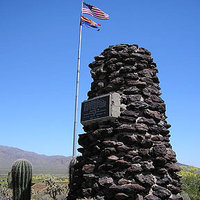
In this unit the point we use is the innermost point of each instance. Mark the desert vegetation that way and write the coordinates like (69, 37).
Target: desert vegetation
(48, 187)
(44, 187)
(190, 182)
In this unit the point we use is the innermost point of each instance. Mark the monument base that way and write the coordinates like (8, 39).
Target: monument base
(129, 157)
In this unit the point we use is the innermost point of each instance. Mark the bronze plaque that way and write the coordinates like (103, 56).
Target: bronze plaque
(95, 109)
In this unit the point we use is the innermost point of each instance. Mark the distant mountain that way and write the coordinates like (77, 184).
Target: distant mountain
(179, 164)
(42, 164)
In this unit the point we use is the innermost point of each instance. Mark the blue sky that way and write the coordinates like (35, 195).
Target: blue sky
(38, 59)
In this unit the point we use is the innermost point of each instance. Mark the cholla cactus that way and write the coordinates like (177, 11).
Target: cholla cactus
(21, 179)
(55, 190)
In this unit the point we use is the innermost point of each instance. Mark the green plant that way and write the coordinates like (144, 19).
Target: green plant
(21, 179)
(191, 182)
(55, 190)
(4, 192)
(9, 180)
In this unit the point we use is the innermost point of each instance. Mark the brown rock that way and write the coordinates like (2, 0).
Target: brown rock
(140, 56)
(130, 61)
(109, 143)
(101, 57)
(105, 167)
(126, 128)
(170, 155)
(127, 69)
(133, 98)
(146, 165)
(139, 197)
(87, 192)
(88, 168)
(123, 164)
(162, 181)
(105, 181)
(138, 105)
(145, 120)
(151, 197)
(144, 152)
(147, 73)
(123, 181)
(121, 196)
(113, 158)
(118, 80)
(130, 113)
(159, 161)
(131, 90)
(154, 114)
(134, 168)
(132, 76)
(123, 148)
(138, 84)
(172, 167)
(147, 180)
(174, 197)
(140, 127)
(159, 150)
(127, 119)
(128, 188)
(129, 139)
(161, 192)
(174, 189)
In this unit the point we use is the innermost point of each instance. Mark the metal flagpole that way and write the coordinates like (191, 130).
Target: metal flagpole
(77, 88)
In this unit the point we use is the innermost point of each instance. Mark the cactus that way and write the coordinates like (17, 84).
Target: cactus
(21, 179)
(9, 180)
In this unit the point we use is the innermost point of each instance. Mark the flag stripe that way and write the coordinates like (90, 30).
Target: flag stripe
(89, 22)
(86, 11)
(95, 12)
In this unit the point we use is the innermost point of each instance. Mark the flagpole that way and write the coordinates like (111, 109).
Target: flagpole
(77, 88)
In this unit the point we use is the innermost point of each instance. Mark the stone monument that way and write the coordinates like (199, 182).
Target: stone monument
(126, 151)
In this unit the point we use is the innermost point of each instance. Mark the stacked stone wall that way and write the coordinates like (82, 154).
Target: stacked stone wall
(130, 157)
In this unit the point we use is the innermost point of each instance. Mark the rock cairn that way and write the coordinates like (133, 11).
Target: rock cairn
(131, 157)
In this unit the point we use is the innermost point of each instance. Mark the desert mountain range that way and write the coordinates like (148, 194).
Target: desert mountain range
(42, 164)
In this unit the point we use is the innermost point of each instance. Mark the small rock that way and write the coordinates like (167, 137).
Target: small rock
(161, 192)
(109, 143)
(147, 180)
(134, 168)
(121, 196)
(88, 168)
(113, 158)
(172, 167)
(154, 114)
(123, 181)
(122, 163)
(139, 197)
(151, 197)
(159, 150)
(106, 181)
(128, 188)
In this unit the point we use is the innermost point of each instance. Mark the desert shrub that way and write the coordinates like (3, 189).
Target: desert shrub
(55, 190)
(40, 178)
(191, 182)
(5, 192)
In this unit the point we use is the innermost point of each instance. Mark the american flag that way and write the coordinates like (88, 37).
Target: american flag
(93, 11)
